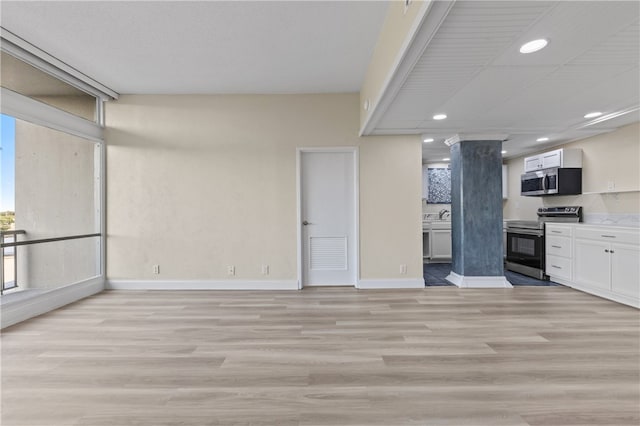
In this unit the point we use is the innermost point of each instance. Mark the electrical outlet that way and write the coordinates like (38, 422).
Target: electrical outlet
(403, 269)
(231, 270)
(265, 269)
(611, 186)
(156, 269)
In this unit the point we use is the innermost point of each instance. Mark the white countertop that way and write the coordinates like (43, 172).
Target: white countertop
(596, 226)
(428, 225)
(624, 220)
(435, 217)
(605, 225)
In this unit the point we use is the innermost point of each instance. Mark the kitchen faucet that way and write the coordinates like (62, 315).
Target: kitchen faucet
(442, 213)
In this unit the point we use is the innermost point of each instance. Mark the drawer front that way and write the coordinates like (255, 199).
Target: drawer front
(558, 246)
(561, 231)
(609, 234)
(559, 267)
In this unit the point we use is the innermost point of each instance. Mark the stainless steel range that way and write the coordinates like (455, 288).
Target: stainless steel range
(525, 240)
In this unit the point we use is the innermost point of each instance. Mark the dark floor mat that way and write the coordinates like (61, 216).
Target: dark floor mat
(435, 274)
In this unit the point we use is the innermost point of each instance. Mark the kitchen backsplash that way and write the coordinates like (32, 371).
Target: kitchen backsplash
(617, 205)
(439, 186)
(620, 219)
(433, 208)
(621, 209)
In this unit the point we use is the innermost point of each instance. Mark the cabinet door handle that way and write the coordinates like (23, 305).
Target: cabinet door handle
(556, 232)
(557, 267)
(611, 251)
(606, 251)
(557, 247)
(608, 236)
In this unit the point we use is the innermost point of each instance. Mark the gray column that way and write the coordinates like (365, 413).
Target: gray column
(476, 212)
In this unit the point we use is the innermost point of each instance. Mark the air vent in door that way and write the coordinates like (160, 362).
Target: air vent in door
(328, 253)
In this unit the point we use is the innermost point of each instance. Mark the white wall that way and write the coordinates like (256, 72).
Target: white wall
(608, 157)
(196, 183)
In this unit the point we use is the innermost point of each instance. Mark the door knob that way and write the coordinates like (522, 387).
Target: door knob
(305, 223)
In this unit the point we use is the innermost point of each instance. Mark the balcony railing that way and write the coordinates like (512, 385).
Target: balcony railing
(9, 254)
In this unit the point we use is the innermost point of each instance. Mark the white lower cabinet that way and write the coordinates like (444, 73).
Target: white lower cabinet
(607, 263)
(593, 266)
(600, 260)
(440, 244)
(436, 241)
(625, 271)
(559, 268)
(425, 245)
(559, 253)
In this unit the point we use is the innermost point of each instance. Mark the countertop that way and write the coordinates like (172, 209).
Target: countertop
(603, 225)
(435, 221)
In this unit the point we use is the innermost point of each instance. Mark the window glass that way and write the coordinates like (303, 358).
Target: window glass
(55, 194)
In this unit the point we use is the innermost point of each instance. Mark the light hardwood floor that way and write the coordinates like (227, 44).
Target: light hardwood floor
(326, 356)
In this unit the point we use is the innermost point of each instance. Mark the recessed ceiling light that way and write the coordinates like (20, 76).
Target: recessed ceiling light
(446, 159)
(440, 116)
(533, 46)
(427, 140)
(542, 139)
(593, 114)
(504, 152)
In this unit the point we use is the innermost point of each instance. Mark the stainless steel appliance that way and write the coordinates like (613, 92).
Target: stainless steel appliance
(555, 181)
(525, 240)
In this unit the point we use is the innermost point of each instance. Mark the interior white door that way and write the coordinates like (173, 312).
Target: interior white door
(327, 206)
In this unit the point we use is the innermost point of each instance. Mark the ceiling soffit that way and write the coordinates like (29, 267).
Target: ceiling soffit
(470, 68)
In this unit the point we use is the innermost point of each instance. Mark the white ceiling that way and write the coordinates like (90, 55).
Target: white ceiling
(470, 69)
(178, 47)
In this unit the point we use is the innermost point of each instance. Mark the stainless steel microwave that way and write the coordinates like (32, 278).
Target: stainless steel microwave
(556, 181)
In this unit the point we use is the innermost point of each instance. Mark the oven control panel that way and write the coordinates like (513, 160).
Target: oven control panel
(573, 213)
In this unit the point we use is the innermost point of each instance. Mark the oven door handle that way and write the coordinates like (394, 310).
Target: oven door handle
(535, 232)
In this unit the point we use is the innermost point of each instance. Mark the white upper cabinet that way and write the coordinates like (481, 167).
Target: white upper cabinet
(552, 159)
(562, 157)
(532, 163)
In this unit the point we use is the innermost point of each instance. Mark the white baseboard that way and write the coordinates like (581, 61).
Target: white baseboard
(391, 283)
(202, 285)
(607, 294)
(41, 303)
(465, 281)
